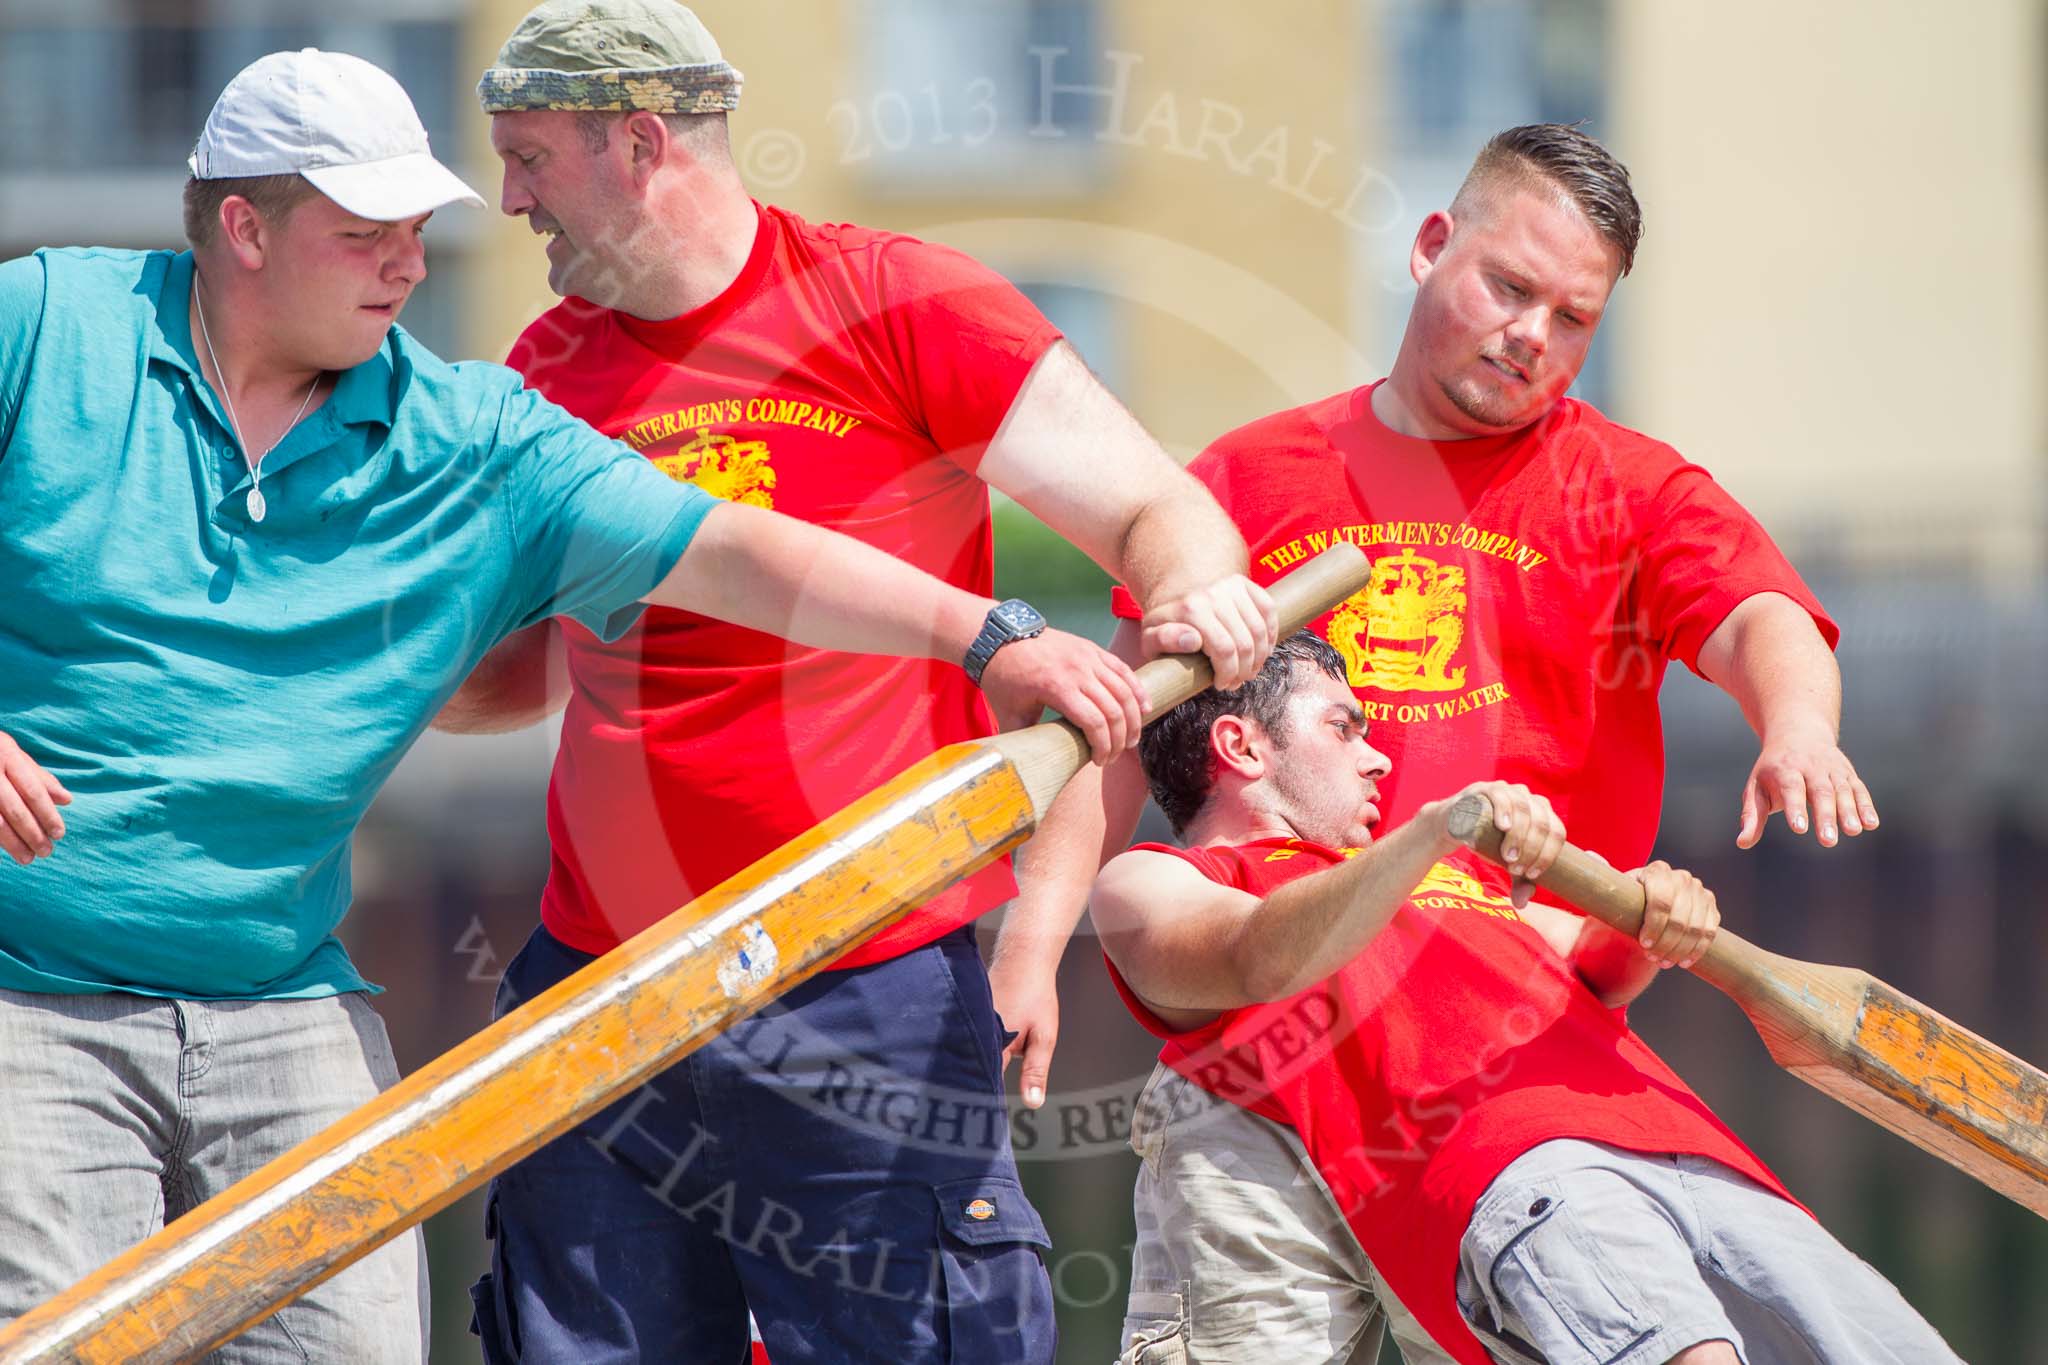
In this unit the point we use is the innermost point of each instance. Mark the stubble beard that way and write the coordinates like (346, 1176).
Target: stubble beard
(1469, 397)
(610, 271)
(1308, 808)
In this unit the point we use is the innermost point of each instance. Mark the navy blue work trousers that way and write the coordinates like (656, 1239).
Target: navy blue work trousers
(838, 1164)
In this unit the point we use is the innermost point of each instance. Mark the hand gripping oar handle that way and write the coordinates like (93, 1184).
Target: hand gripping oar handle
(1299, 598)
(1582, 880)
(1576, 877)
(1047, 755)
(1876, 1049)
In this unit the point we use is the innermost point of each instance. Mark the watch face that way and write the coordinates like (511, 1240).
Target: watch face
(1019, 616)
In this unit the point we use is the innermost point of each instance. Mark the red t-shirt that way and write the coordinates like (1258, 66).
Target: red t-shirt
(1527, 592)
(1458, 1040)
(848, 377)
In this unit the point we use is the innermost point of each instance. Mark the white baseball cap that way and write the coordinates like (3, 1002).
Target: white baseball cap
(342, 123)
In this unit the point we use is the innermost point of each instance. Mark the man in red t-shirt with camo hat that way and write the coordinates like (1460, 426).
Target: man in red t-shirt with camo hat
(1530, 1181)
(840, 1165)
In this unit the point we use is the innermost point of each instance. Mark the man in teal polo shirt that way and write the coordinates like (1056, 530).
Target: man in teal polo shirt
(251, 538)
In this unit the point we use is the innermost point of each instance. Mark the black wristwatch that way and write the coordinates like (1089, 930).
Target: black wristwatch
(1007, 621)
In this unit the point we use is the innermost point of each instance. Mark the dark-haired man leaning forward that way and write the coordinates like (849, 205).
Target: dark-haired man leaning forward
(1537, 567)
(1528, 1177)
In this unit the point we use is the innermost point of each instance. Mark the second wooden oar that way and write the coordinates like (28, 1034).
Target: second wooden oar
(1841, 1030)
(569, 1052)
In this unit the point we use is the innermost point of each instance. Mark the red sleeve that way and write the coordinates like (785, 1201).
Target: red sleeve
(966, 338)
(1216, 871)
(1140, 1011)
(1702, 555)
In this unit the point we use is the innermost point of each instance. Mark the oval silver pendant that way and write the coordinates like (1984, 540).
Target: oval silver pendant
(257, 506)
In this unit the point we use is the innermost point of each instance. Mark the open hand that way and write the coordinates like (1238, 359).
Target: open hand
(1810, 779)
(1028, 1003)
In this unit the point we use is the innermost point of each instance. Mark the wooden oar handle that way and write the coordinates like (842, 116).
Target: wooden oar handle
(1046, 755)
(1577, 877)
(1300, 597)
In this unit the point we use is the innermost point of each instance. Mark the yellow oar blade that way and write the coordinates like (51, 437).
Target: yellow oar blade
(1841, 1030)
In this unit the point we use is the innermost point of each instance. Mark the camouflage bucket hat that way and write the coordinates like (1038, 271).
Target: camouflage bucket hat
(610, 55)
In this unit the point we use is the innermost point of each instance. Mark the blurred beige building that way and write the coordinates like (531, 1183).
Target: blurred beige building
(1839, 306)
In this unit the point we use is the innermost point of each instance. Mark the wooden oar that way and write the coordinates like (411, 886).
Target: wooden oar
(1841, 1030)
(567, 1053)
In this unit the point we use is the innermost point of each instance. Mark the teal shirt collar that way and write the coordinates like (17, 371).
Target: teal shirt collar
(170, 340)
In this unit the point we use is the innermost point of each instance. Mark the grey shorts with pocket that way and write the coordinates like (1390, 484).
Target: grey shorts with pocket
(1585, 1254)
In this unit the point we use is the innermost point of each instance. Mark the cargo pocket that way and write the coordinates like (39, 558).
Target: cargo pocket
(1483, 1318)
(1155, 1330)
(998, 1304)
(491, 1319)
(1541, 1267)
(1153, 1113)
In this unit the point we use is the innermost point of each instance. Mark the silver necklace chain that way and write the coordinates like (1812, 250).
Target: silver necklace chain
(257, 504)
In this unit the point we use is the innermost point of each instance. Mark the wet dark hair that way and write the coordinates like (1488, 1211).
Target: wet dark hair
(1572, 161)
(1179, 769)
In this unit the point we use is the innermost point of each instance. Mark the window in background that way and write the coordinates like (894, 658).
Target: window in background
(1088, 319)
(103, 99)
(1456, 72)
(957, 96)
(108, 85)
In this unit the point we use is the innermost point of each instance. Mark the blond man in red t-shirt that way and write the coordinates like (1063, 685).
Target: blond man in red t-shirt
(841, 1166)
(1537, 566)
(1522, 1174)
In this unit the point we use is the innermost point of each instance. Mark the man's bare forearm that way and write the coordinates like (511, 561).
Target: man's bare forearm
(523, 680)
(1091, 822)
(1287, 944)
(1073, 455)
(1612, 965)
(1770, 657)
(1076, 458)
(1307, 929)
(787, 577)
(1179, 540)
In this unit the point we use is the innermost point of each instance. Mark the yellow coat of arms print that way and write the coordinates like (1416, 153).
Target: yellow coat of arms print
(1400, 634)
(725, 467)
